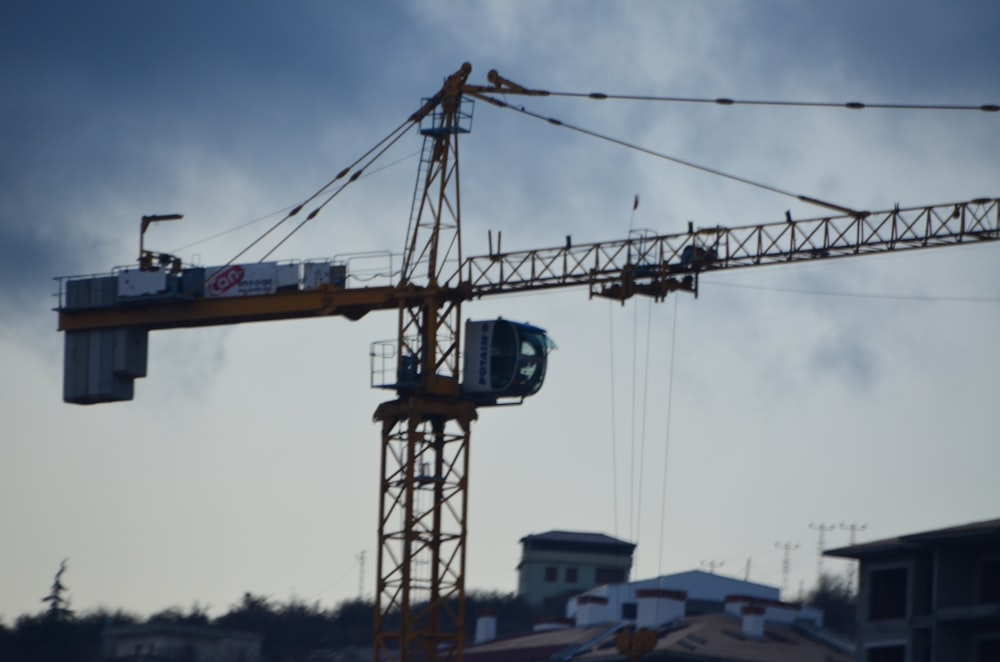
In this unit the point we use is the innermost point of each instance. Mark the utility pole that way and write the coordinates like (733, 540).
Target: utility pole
(361, 575)
(786, 563)
(822, 529)
(853, 528)
(712, 564)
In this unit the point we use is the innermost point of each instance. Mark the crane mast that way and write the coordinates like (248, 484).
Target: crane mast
(420, 598)
(419, 608)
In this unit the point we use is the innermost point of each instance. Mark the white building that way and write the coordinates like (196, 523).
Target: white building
(704, 592)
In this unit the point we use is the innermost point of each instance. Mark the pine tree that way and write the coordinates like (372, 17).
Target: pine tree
(58, 604)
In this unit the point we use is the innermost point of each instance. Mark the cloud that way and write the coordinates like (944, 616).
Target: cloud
(247, 437)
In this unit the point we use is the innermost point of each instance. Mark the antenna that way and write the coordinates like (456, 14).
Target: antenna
(786, 563)
(822, 529)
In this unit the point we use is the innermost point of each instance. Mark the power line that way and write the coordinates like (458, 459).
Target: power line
(853, 528)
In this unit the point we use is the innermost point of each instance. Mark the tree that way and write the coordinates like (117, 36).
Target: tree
(58, 604)
(836, 597)
(197, 615)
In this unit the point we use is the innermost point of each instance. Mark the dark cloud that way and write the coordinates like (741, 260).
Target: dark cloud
(903, 52)
(229, 110)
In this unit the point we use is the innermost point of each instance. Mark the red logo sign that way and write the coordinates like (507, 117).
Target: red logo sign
(225, 280)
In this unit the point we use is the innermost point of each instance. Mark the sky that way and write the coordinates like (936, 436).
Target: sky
(708, 430)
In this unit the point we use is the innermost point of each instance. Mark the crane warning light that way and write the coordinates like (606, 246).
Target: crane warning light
(504, 359)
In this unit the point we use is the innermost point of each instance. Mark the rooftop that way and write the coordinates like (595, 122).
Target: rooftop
(710, 637)
(576, 537)
(973, 532)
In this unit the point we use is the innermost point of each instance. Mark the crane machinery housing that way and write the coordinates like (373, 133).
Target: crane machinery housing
(438, 379)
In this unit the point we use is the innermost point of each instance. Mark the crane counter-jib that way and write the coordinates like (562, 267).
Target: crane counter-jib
(162, 312)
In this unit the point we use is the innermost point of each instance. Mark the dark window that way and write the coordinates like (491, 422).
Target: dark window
(571, 575)
(628, 611)
(988, 650)
(991, 581)
(921, 645)
(609, 575)
(923, 591)
(887, 594)
(886, 654)
(503, 357)
(551, 574)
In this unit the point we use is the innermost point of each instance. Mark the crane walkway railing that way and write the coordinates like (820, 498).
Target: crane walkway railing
(710, 249)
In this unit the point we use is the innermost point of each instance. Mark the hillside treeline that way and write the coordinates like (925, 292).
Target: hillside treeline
(291, 631)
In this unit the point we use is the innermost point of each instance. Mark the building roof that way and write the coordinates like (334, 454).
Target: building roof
(540, 645)
(577, 538)
(700, 586)
(973, 532)
(707, 638)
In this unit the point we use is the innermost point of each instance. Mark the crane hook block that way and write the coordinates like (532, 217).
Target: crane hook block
(504, 359)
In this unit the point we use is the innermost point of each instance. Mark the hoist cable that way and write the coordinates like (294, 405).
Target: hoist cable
(725, 101)
(631, 461)
(666, 441)
(643, 416)
(614, 437)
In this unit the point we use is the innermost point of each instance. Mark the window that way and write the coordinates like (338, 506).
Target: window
(503, 358)
(571, 575)
(990, 581)
(629, 610)
(886, 654)
(887, 594)
(551, 574)
(609, 576)
(987, 650)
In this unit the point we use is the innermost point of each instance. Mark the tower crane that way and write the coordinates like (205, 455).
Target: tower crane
(439, 382)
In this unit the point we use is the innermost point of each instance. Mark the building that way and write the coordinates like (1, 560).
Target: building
(746, 629)
(931, 596)
(706, 592)
(153, 642)
(560, 563)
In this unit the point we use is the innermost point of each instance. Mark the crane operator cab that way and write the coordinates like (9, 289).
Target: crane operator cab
(504, 359)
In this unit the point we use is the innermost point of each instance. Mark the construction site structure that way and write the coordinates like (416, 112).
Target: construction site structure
(441, 366)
